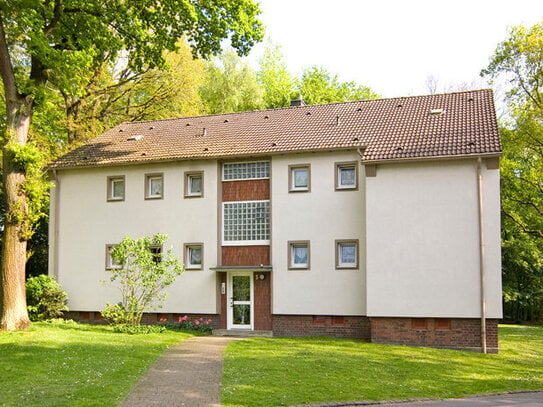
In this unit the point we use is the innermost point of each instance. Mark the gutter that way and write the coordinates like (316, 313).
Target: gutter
(55, 229)
(481, 254)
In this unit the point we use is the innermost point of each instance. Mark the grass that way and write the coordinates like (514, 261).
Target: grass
(294, 371)
(75, 364)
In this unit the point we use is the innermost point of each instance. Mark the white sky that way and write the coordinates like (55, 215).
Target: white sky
(392, 46)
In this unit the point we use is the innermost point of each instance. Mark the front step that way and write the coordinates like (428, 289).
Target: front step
(242, 333)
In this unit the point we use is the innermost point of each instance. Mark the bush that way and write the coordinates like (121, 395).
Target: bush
(139, 329)
(200, 325)
(45, 298)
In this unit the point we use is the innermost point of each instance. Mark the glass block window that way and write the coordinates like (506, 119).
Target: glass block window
(246, 221)
(241, 171)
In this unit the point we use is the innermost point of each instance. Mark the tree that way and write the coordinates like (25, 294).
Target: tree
(142, 274)
(519, 60)
(318, 86)
(62, 42)
(275, 79)
(230, 85)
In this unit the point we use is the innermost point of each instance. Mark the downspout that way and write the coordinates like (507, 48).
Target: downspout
(481, 255)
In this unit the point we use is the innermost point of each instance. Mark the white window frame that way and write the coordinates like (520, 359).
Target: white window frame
(344, 165)
(339, 263)
(188, 191)
(186, 250)
(292, 179)
(110, 264)
(244, 242)
(148, 180)
(224, 165)
(291, 246)
(111, 180)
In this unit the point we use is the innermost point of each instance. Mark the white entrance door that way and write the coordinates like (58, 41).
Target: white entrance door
(240, 300)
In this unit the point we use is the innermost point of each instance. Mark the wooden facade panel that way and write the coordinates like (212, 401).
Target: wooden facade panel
(245, 255)
(247, 190)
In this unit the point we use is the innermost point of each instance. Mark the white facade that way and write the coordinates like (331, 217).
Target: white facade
(416, 225)
(423, 240)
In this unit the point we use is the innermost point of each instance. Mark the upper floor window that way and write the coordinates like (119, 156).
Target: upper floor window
(346, 175)
(194, 184)
(246, 222)
(245, 170)
(156, 252)
(115, 188)
(299, 178)
(154, 186)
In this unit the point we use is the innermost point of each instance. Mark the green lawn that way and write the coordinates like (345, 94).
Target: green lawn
(288, 371)
(75, 364)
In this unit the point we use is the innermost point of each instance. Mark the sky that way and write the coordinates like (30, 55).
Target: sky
(393, 46)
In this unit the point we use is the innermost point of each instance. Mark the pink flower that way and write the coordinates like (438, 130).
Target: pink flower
(182, 319)
(208, 322)
(163, 319)
(197, 322)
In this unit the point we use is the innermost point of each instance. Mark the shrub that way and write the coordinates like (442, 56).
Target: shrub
(199, 324)
(45, 298)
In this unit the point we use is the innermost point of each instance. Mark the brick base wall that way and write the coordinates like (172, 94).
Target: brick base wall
(148, 317)
(451, 333)
(353, 327)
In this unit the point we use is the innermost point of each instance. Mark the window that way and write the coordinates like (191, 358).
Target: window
(241, 171)
(115, 188)
(246, 222)
(299, 178)
(347, 254)
(346, 175)
(156, 251)
(193, 256)
(298, 255)
(110, 263)
(154, 186)
(194, 184)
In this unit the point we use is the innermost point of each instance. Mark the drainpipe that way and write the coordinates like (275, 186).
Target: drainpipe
(55, 230)
(481, 255)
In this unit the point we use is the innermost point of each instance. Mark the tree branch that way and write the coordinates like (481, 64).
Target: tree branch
(6, 68)
(57, 13)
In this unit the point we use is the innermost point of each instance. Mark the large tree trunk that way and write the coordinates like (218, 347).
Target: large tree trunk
(14, 314)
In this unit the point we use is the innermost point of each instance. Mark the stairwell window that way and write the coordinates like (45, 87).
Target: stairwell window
(246, 170)
(346, 176)
(246, 223)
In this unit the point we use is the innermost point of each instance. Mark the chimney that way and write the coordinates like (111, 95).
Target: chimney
(297, 102)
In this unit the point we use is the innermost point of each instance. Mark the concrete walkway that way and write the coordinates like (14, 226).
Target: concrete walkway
(188, 374)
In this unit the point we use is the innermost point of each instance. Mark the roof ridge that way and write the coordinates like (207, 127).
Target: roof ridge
(307, 106)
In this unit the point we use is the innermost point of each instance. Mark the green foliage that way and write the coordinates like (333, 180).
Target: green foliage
(142, 277)
(318, 86)
(184, 323)
(230, 85)
(139, 329)
(308, 371)
(519, 59)
(45, 298)
(275, 78)
(76, 365)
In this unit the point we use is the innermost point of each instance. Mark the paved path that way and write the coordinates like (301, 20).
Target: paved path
(188, 374)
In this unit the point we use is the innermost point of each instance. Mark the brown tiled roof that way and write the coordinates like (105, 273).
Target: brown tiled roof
(416, 127)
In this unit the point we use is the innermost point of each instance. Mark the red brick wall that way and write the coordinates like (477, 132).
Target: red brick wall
(222, 322)
(247, 190)
(353, 327)
(245, 255)
(454, 333)
(262, 302)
